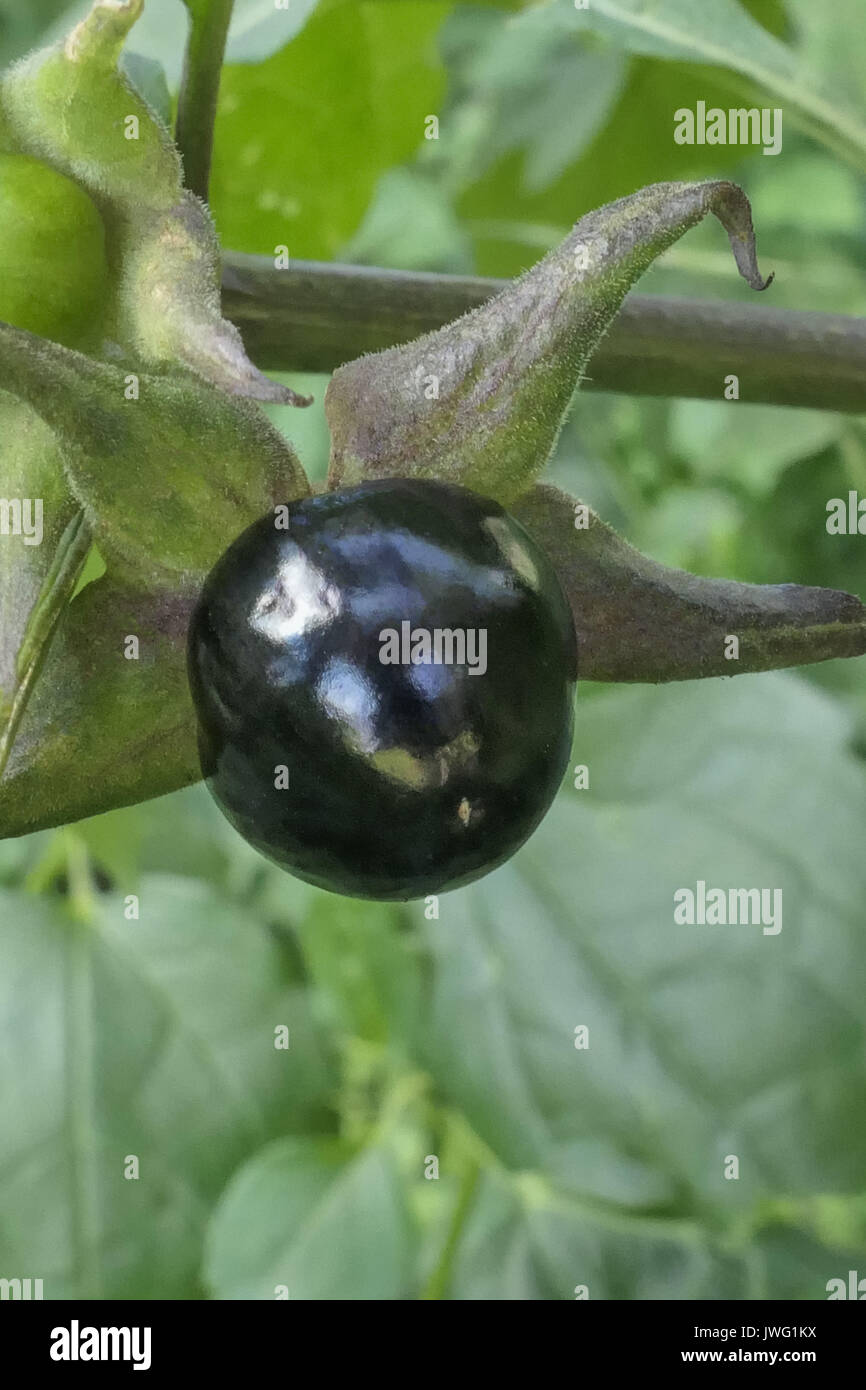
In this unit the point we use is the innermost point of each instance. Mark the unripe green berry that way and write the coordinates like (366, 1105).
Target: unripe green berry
(53, 267)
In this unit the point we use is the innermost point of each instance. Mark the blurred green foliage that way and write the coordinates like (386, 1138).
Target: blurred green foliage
(414, 1037)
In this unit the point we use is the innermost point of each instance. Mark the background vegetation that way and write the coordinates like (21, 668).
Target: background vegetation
(454, 1037)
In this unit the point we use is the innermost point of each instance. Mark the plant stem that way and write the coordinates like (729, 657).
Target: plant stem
(440, 1280)
(197, 102)
(314, 316)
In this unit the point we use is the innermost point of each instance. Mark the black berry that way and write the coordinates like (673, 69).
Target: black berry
(384, 680)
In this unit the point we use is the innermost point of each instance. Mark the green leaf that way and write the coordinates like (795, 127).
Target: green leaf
(410, 226)
(833, 44)
(306, 1216)
(637, 620)
(352, 89)
(481, 401)
(529, 1243)
(531, 84)
(258, 29)
(724, 34)
(130, 1038)
(511, 225)
(21, 26)
(749, 444)
(703, 1041)
(534, 1247)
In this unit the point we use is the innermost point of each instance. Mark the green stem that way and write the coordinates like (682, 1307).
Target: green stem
(197, 103)
(440, 1280)
(314, 316)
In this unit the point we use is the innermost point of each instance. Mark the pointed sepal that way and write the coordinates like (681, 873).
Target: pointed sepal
(167, 469)
(111, 721)
(637, 620)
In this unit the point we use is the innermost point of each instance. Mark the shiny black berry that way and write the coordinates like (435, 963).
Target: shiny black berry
(384, 680)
